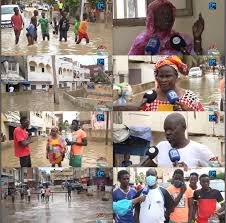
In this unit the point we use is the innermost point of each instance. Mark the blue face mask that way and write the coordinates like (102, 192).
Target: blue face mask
(151, 180)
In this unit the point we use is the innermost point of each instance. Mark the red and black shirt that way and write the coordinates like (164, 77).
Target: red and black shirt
(207, 203)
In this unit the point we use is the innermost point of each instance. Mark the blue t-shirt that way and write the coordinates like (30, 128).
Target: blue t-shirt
(117, 195)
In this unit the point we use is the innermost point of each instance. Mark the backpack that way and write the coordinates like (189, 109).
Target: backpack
(65, 25)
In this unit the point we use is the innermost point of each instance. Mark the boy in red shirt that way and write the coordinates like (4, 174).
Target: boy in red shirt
(21, 143)
(17, 22)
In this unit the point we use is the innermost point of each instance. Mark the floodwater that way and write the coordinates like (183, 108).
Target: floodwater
(99, 34)
(206, 88)
(92, 152)
(81, 208)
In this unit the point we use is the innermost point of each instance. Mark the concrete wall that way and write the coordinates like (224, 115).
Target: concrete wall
(89, 104)
(123, 37)
(120, 66)
(147, 71)
(155, 120)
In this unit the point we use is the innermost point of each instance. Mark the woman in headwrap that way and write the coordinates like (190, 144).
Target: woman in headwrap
(166, 75)
(55, 148)
(159, 23)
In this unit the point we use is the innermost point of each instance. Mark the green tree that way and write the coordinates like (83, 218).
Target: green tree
(140, 178)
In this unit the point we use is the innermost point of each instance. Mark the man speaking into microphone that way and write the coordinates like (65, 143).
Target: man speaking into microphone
(186, 153)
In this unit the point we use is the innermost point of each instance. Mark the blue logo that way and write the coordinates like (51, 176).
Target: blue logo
(100, 117)
(212, 62)
(212, 173)
(100, 173)
(100, 5)
(100, 61)
(212, 5)
(212, 118)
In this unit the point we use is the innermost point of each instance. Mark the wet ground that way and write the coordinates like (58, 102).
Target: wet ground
(37, 101)
(81, 208)
(99, 34)
(92, 152)
(206, 88)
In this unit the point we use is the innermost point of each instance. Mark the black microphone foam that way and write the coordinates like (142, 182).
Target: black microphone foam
(150, 96)
(178, 43)
(152, 152)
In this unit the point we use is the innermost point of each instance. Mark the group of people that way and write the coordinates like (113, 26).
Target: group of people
(56, 145)
(60, 26)
(24, 192)
(179, 203)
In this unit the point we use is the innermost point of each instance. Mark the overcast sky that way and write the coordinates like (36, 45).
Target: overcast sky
(87, 60)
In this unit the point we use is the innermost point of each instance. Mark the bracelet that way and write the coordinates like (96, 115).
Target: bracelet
(197, 41)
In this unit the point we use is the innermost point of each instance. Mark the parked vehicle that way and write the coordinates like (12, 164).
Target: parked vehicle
(195, 72)
(45, 7)
(7, 11)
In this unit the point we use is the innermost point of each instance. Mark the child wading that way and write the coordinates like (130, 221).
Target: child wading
(76, 27)
(31, 33)
(82, 32)
(35, 23)
(44, 26)
(17, 22)
(64, 26)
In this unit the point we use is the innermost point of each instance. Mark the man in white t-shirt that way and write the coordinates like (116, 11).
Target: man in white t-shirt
(158, 203)
(192, 154)
(11, 89)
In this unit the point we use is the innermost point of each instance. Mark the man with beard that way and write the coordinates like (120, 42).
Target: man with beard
(192, 154)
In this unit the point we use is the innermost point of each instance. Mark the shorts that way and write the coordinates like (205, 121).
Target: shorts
(25, 161)
(75, 161)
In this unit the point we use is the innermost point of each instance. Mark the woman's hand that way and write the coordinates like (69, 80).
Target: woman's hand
(181, 107)
(198, 27)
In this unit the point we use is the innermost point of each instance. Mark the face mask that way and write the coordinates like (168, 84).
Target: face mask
(177, 183)
(151, 180)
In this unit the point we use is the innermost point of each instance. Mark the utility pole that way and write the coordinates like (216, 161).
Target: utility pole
(82, 9)
(55, 87)
(107, 128)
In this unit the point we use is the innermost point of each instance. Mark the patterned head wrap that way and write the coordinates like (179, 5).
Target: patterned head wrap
(55, 129)
(173, 61)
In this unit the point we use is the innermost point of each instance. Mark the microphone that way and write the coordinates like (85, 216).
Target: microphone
(145, 191)
(174, 156)
(172, 96)
(151, 153)
(150, 96)
(179, 44)
(152, 46)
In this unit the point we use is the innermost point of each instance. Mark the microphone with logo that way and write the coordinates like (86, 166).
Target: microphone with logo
(148, 98)
(151, 153)
(172, 96)
(153, 46)
(174, 157)
(179, 44)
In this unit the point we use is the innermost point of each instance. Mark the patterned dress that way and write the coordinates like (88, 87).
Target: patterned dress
(189, 99)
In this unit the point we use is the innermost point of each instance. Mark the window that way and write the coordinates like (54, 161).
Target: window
(133, 12)
(12, 66)
(121, 78)
(65, 84)
(43, 86)
(32, 68)
(33, 87)
(43, 69)
(129, 12)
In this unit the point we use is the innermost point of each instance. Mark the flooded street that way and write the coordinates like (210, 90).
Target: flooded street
(206, 88)
(35, 101)
(92, 152)
(58, 210)
(99, 34)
